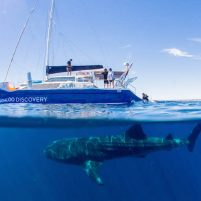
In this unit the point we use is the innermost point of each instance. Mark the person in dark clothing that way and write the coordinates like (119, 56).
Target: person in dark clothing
(105, 74)
(145, 97)
(69, 67)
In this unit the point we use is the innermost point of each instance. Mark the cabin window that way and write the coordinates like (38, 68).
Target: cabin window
(61, 79)
(84, 79)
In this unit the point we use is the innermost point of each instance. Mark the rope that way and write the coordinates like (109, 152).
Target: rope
(18, 42)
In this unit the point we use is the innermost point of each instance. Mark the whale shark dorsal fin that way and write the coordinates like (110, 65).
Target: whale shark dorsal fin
(169, 137)
(91, 168)
(136, 132)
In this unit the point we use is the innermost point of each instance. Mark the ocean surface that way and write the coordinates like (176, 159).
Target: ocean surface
(27, 175)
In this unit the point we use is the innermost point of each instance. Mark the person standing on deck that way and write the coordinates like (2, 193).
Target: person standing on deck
(111, 78)
(69, 67)
(105, 75)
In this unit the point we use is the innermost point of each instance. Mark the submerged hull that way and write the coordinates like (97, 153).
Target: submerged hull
(58, 96)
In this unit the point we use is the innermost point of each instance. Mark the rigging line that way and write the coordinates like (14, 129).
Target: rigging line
(72, 44)
(18, 42)
(70, 50)
(101, 47)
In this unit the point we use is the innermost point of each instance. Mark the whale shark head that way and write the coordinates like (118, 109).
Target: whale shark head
(55, 150)
(63, 150)
(49, 152)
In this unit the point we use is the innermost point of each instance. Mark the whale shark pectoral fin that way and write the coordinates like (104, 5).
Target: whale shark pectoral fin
(91, 169)
(136, 132)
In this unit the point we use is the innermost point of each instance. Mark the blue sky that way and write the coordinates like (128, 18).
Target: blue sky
(161, 37)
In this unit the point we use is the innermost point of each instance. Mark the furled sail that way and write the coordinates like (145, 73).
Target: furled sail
(62, 69)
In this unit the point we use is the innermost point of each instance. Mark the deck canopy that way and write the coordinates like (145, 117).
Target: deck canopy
(62, 69)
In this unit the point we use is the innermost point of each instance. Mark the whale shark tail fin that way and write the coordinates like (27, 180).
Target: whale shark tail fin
(135, 132)
(91, 168)
(193, 137)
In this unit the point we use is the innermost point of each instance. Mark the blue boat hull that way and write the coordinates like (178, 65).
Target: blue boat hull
(58, 96)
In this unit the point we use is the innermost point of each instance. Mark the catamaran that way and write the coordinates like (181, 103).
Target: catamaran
(80, 87)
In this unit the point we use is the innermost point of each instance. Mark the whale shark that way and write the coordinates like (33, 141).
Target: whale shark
(91, 152)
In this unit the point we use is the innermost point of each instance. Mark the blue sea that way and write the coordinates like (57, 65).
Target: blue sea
(27, 175)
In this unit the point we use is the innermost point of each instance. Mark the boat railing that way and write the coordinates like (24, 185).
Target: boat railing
(7, 86)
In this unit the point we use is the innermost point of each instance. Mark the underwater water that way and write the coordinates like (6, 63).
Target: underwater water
(27, 175)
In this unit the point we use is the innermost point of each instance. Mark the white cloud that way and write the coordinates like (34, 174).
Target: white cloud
(197, 40)
(177, 53)
(197, 58)
(126, 46)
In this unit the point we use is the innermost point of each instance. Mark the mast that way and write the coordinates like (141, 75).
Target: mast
(49, 31)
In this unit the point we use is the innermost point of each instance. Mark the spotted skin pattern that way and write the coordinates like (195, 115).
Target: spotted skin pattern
(90, 152)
